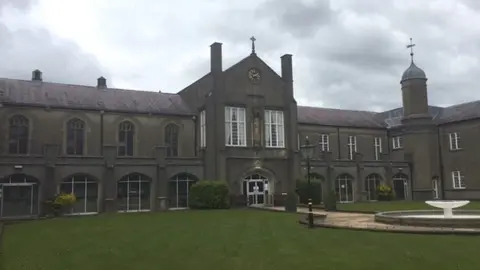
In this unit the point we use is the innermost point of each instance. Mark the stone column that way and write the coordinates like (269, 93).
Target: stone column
(109, 183)
(48, 188)
(360, 181)
(160, 183)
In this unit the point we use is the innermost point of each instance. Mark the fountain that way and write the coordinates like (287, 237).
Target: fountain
(446, 218)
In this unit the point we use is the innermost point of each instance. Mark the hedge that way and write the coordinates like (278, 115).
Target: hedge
(303, 191)
(209, 195)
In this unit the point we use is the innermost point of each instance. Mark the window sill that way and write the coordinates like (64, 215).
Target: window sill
(456, 150)
(459, 188)
(236, 146)
(274, 147)
(395, 149)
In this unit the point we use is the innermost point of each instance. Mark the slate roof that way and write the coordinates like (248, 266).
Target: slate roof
(56, 95)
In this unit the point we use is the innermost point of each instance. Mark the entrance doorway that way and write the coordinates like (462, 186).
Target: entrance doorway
(255, 187)
(371, 185)
(400, 186)
(134, 193)
(18, 196)
(435, 187)
(344, 188)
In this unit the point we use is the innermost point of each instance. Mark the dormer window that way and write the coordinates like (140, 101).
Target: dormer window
(36, 75)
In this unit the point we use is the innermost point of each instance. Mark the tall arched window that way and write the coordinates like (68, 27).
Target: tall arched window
(171, 140)
(344, 188)
(18, 135)
(400, 186)
(134, 193)
(126, 132)
(75, 137)
(371, 184)
(85, 189)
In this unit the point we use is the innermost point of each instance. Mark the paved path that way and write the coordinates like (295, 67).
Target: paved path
(367, 222)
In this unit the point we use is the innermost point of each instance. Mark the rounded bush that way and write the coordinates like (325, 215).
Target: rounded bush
(304, 193)
(385, 193)
(209, 195)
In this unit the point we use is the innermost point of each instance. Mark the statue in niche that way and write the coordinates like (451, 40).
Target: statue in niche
(257, 130)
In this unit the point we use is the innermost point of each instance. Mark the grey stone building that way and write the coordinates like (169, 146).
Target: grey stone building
(125, 150)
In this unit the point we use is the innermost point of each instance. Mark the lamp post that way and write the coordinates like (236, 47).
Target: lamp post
(307, 153)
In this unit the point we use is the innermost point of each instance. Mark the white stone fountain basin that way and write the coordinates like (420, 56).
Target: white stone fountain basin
(447, 207)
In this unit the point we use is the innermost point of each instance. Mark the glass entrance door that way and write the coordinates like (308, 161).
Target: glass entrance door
(256, 192)
(344, 189)
(18, 200)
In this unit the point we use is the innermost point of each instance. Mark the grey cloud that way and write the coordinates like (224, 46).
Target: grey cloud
(299, 18)
(25, 49)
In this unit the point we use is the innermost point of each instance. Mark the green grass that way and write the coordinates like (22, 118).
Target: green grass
(395, 206)
(234, 240)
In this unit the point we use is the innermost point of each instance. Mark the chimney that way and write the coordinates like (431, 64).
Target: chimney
(101, 82)
(216, 57)
(36, 75)
(287, 70)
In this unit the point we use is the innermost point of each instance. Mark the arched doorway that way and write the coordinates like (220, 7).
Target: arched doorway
(134, 193)
(18, 196)
(256, 189)
(371, 185)
(178, 190)
(400, 186)
(344, 188)
(85, 188)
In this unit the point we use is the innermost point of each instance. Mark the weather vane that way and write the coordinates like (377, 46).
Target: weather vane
(253, 44)
(410, 46)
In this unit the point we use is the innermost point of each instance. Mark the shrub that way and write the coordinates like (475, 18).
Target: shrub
(61, 203)
(385, 193)
(209, 195)
(304, 193)
(331, 201)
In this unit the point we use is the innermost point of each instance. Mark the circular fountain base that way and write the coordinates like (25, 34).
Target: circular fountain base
(431, 218)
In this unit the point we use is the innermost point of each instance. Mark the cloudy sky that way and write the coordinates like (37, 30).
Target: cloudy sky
(347, 53)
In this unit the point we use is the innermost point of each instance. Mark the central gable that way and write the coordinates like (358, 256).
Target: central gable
(252, 77)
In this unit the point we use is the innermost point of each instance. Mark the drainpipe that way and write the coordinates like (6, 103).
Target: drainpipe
(440, 161)
(195, 135)
(339, 155)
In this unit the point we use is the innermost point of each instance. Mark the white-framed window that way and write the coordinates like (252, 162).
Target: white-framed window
(203, 129)
(352, 146)
(458, 181)
(397, 142)
(378, 147)
(454, 140)
(324, 142)
(274, 129)
(235, 126)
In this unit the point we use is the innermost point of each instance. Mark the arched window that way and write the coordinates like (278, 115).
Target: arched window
(19, 196)
(171, 140)
(344, 188)
(400, 186)
(75, 137)
(18, 135)
(85, 189)
(134, 193)
(371, 185)
(126, 132)
(178, 190)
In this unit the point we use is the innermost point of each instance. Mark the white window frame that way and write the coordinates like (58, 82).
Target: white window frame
(203, 129)
(377, 143)
(238, 135)
(397, 142)
(352, 147)
(324, 142)
(274, 128)
(454, 139)
(458, 180)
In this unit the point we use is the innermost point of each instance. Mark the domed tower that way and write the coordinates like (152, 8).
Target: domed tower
(420, 140)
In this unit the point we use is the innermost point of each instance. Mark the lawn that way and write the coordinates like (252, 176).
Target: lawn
(395, 206)
(232, 239)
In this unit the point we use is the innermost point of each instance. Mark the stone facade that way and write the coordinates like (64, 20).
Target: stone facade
(125, 150)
